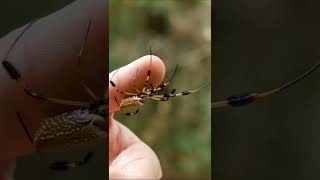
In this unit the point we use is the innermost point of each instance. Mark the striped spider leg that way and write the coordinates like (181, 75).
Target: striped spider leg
(137, 99)
(86, 125)
(247, 98)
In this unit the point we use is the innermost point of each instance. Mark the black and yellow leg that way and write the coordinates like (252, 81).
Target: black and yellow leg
(247, 98)
(134, 80)
(145, 85)
(164, 85)
(82, 82)
(24, 127)
(122, 92)
(184, 93)
(169, 83)
(236, 100)
(15, 75)
(18, 38)
(160, 99)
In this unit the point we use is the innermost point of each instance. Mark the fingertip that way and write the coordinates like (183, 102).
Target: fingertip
(155, 65)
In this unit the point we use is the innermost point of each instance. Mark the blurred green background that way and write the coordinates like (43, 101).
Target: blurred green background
(261, 45)
(179, 130)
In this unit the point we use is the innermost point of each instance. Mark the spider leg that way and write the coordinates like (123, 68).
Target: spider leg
(121, 92)
(18, 38)
(134, 80)
(247, 98)
(113, 84)
(170, 80)
(148, 73)
(166, 84)
(82, 82)
(159, 99)
(116, 101)
(15, 75)
(65, 165)
(24, 127)
(177, 94)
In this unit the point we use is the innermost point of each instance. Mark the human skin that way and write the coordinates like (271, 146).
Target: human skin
(129, 157)
(46, 56)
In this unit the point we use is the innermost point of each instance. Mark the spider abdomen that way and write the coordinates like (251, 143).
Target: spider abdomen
(131, 102)
(68, 129)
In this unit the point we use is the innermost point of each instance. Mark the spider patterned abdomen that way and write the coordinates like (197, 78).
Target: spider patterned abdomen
(68, 129)
(131, 102)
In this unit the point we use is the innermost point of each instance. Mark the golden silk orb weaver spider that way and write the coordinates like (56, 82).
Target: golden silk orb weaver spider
(247, 98)
(134, 100)
(86, 125)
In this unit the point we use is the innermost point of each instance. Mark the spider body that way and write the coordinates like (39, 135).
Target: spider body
(131, 102)
(70, 128)
(137, 99)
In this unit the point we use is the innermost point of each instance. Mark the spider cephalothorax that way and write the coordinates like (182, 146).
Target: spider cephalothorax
(137, 99)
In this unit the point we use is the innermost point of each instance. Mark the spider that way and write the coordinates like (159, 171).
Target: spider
(247, 98)
(86, 125)
(136, 100)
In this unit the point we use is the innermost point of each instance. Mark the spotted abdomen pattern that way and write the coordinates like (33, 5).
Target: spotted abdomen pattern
(68, 129)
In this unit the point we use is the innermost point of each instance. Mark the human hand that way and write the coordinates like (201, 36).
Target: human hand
(129, 157)
(46, 56)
